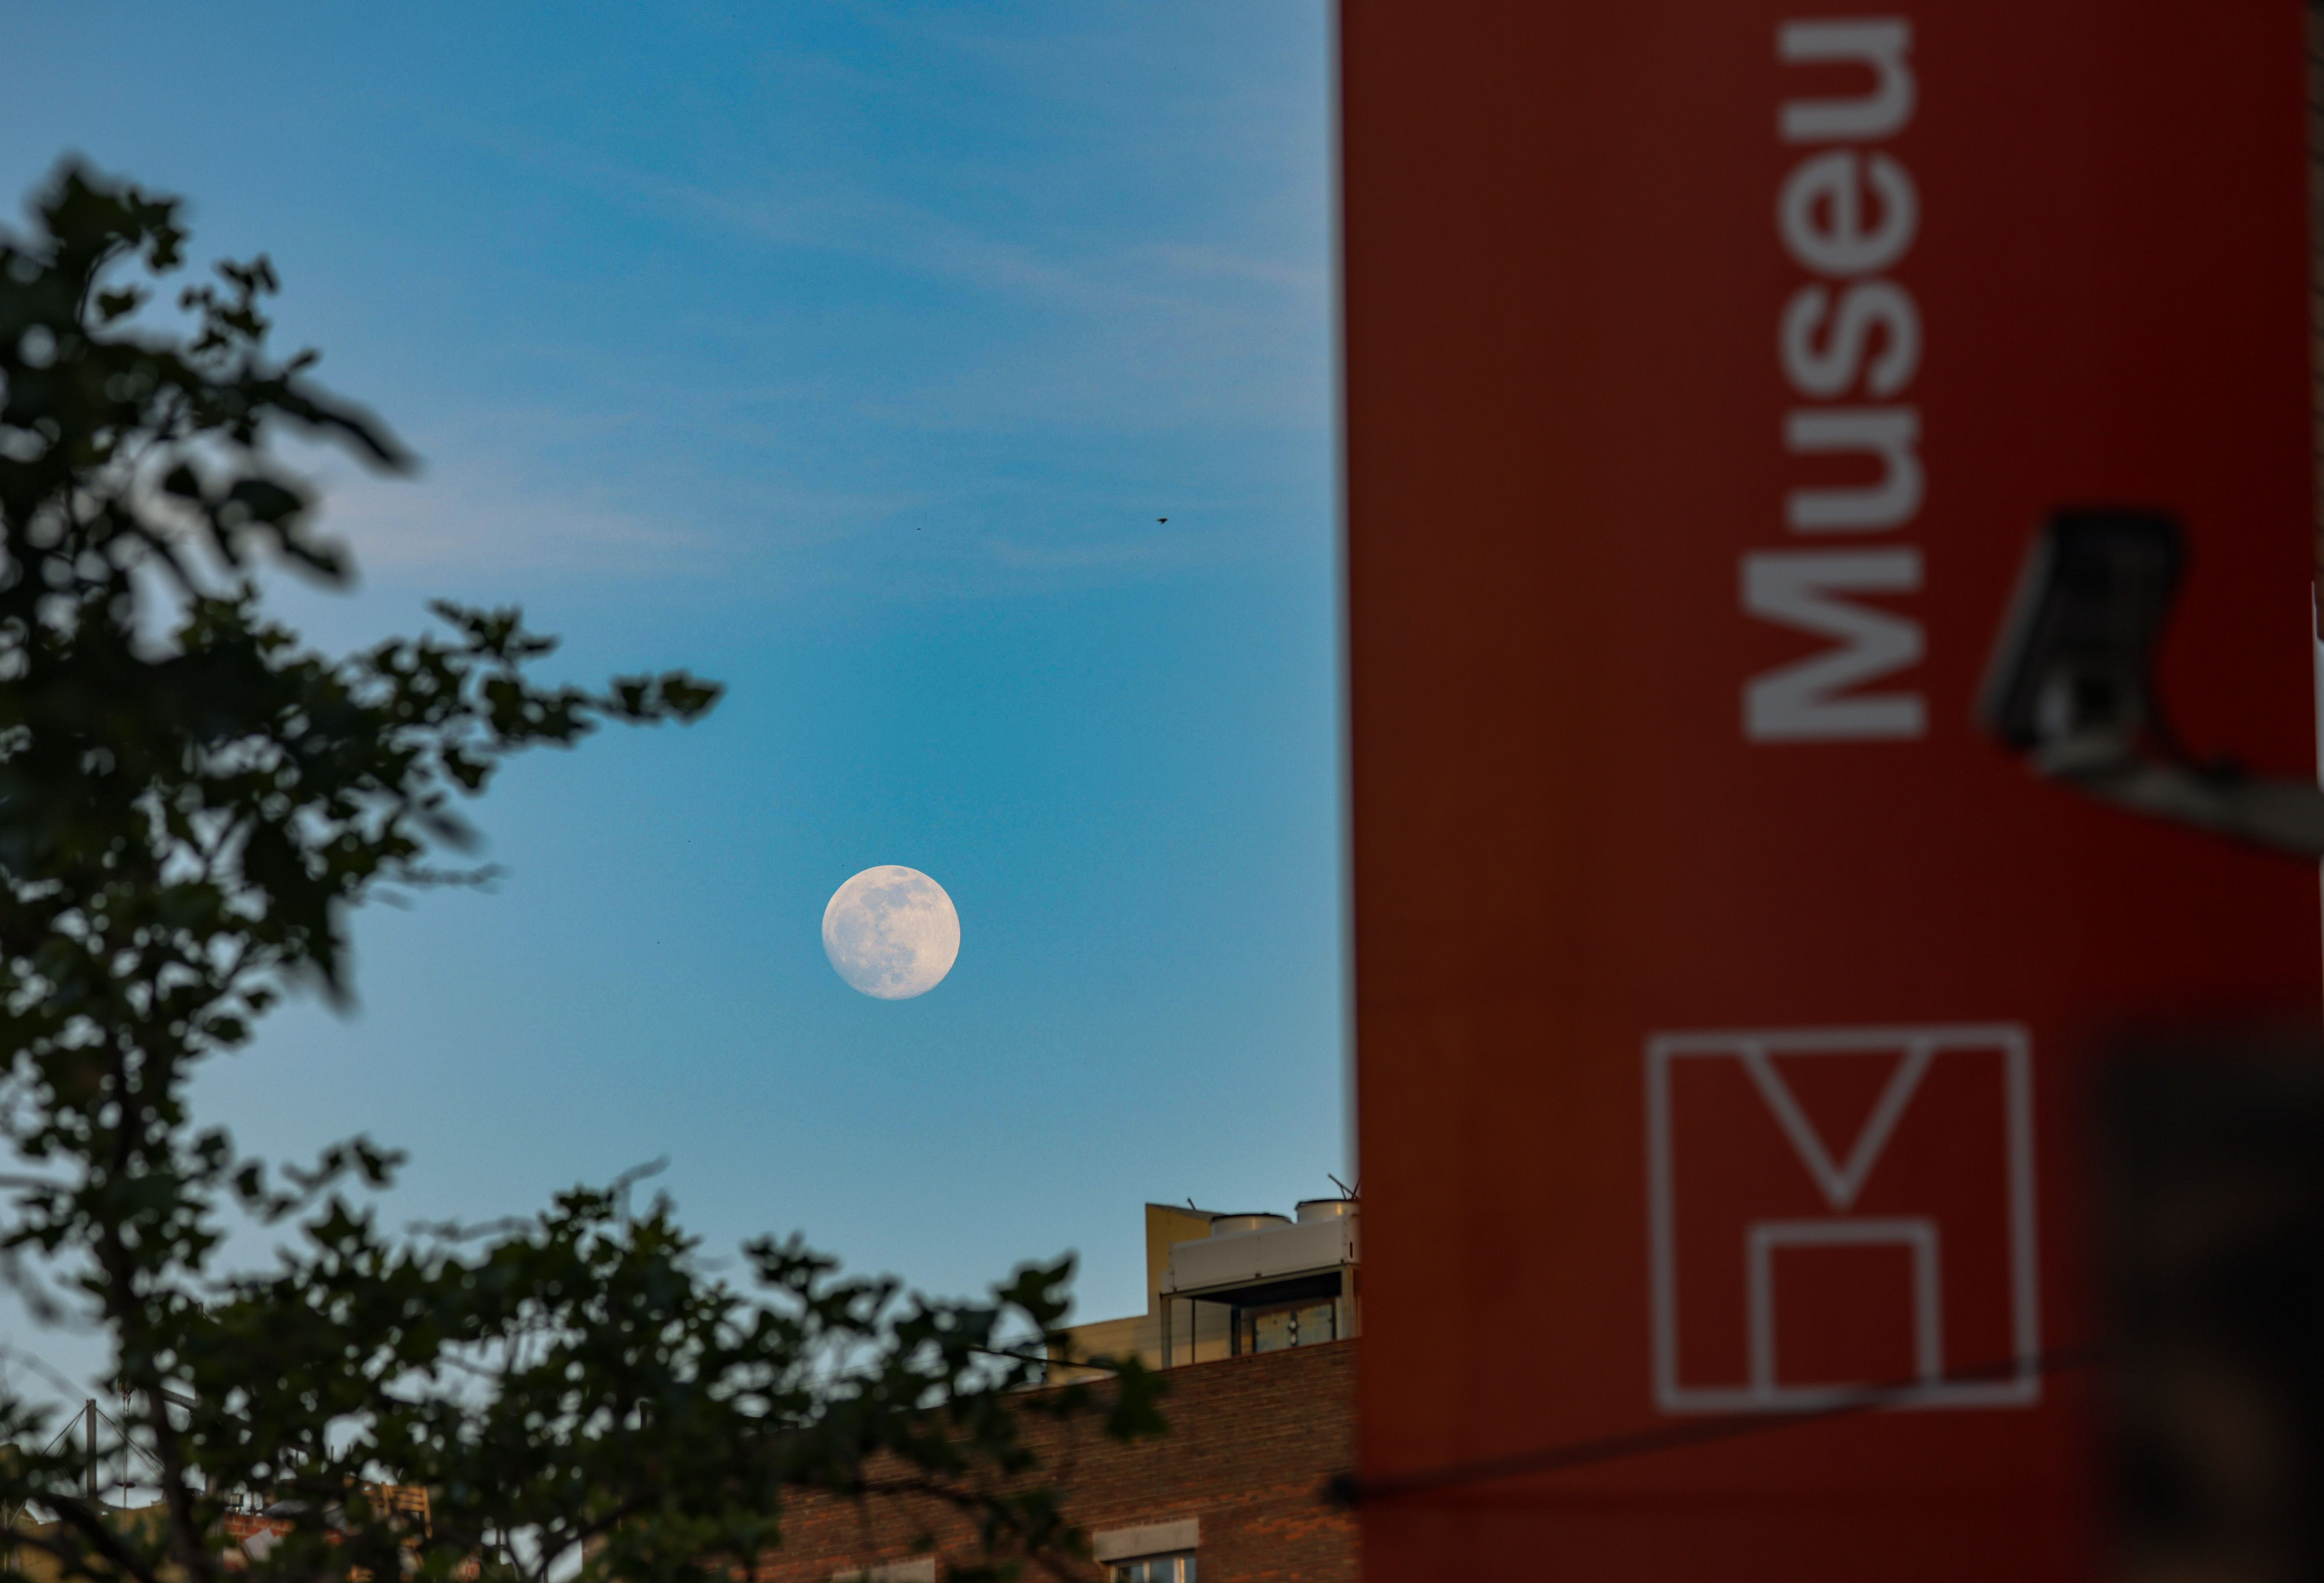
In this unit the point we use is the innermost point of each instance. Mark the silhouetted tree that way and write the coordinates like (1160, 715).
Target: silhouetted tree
(190, 803)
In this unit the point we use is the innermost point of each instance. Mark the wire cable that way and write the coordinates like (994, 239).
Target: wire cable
(1347, 1490)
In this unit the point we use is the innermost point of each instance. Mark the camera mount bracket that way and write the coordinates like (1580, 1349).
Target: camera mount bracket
(2072, 685)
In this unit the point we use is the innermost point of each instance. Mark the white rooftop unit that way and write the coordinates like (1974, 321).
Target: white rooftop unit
(1287, 1283)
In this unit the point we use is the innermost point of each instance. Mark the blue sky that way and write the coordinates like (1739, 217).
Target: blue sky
(848, 353)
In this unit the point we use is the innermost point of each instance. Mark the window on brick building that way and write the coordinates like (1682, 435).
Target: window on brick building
(1177, 1569)
(918, 1570)
(1271, 1329)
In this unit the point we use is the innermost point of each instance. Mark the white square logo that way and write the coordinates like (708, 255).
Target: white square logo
(1833, 1209)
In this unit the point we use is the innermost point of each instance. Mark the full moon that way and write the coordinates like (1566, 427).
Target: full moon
(891, 933)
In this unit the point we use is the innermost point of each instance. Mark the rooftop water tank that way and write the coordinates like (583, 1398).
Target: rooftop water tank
(1313, 1209)
(1242, 1224)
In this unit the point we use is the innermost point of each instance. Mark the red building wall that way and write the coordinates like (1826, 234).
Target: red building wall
(1637, 822)
(1252, 1442)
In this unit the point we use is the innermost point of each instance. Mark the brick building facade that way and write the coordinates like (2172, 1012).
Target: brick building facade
(1237, 1485)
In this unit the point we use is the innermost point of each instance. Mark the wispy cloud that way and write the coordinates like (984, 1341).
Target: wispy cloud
(1105, 327)
(972, 317)
(473, 516)
(497, 501)
(1082, 554)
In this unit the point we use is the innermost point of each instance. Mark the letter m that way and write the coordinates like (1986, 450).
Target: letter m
(1809, 699)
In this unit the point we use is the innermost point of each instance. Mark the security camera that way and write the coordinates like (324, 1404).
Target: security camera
(2071, 684)
(2076, 659)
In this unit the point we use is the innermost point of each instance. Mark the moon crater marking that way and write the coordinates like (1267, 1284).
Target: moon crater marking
(891, 933)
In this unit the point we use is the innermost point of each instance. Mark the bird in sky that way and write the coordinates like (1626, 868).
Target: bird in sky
(1161, 519)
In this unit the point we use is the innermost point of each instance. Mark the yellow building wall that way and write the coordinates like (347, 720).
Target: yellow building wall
(1140, 1336)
